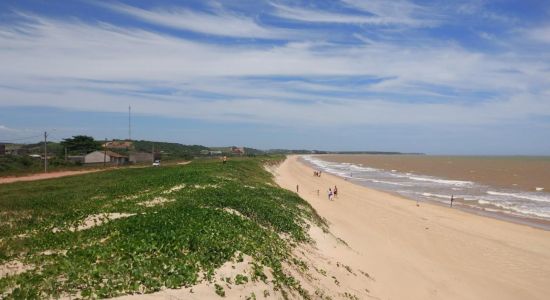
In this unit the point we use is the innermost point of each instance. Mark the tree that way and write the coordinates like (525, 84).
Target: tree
(81, 144)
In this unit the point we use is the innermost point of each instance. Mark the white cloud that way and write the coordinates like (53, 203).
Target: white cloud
(6, 128)
(377, 15)
(219, 22)
(539, 34)
(75, 65)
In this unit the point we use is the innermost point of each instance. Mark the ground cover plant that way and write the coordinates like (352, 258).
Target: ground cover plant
(174, 227)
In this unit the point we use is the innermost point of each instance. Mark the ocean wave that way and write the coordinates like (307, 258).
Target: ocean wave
(388, 182)
(442, 181)
(524, 196)
(436, 195)
(520, 211)
(362, 169)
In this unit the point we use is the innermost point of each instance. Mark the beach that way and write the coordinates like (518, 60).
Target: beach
(427, 251)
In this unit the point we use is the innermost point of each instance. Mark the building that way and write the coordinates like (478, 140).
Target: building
(77, 159)
(98, 157)
(237, 150)
(12, 149)
(140, 157)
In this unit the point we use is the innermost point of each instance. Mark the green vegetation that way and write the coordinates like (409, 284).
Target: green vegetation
(213, 214)
(12, 165)
(170, 151)
(80, 145)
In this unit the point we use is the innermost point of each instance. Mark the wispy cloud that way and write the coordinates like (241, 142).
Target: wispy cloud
(6, 128)
(103, 67)
(371, 13)
(217, 22)
(539, 34)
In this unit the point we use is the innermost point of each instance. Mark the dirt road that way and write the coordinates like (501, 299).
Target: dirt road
(41, 176)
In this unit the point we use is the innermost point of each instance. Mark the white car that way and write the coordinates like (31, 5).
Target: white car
(156, 163)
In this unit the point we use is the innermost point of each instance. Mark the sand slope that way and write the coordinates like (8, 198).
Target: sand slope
(426, 252)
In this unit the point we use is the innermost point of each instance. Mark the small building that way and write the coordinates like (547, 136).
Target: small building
(237, 150)
(98, 157)
(14, 150)
(140, 157)
(77, 159)
(215, 153)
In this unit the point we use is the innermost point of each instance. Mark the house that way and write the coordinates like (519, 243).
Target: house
(14, 150)
(110, 157)
(139, 157)
(77, 159)
(237, 150)
(215, 153)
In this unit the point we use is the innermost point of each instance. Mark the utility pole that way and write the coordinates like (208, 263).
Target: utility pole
(153, 154)
(66, 154)
(105, 152)
(129, 122)
(45, 152)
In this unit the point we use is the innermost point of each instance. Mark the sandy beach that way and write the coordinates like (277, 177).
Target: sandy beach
(425, 252)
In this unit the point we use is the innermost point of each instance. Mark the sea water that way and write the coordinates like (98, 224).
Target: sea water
(467, 194)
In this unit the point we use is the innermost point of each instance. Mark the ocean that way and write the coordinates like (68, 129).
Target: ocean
(515, 188)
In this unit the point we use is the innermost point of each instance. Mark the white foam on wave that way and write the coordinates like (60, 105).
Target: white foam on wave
(363, 169)
(442, 181)
(388, 182)
(539, 189)
(513, 209)
(524, 196)
(436, 195)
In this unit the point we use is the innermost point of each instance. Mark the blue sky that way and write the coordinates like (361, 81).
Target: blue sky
(440, 77)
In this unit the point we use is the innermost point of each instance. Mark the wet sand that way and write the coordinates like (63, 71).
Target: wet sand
(524, 173)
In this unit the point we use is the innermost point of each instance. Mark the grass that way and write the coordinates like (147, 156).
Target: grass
(223, 212)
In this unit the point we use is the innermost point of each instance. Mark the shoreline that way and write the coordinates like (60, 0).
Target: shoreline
(431, 251)
(481, 210)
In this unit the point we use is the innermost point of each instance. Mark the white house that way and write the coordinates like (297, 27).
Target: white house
(110, 157)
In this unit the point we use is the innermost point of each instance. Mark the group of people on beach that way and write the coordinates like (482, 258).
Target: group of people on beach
(332, 193)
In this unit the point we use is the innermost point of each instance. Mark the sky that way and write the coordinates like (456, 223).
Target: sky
(440, 77)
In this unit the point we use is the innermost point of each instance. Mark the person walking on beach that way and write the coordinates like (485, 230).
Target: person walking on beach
(330, 194)
(335, 192)
(297, 188)
(452, 199)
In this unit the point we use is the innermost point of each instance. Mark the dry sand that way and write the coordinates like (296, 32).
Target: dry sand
(426, 252)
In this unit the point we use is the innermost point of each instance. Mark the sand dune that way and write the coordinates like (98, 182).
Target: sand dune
(426, 252)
